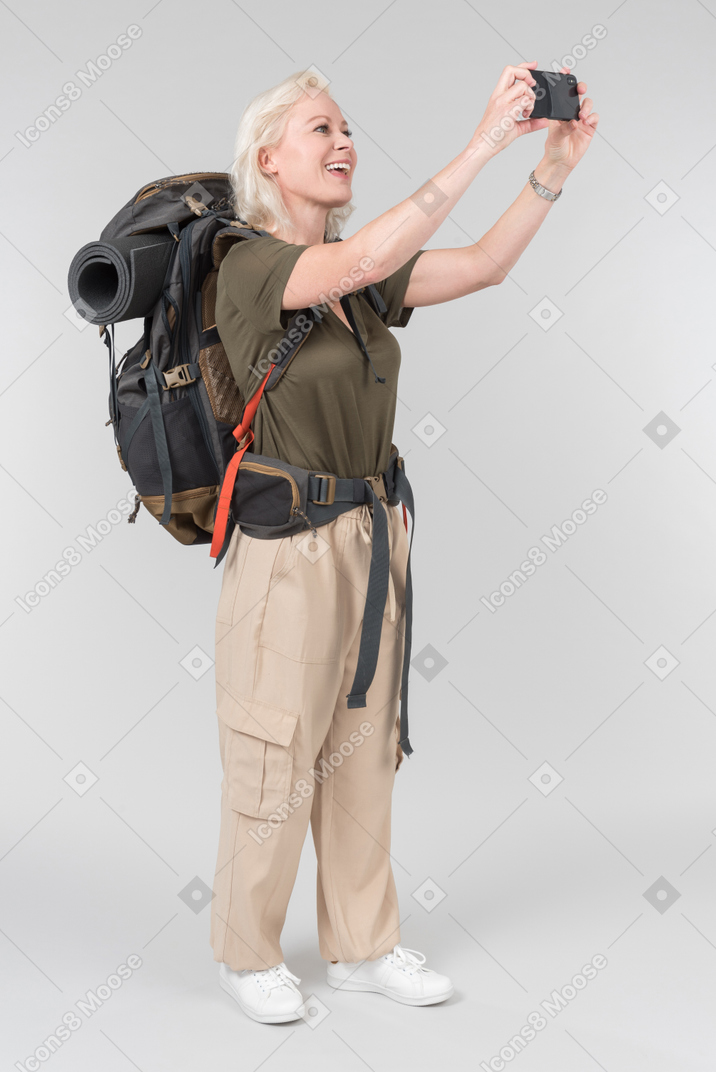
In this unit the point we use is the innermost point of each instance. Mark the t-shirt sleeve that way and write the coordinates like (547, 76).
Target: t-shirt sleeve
(392, 291)
(254, 274)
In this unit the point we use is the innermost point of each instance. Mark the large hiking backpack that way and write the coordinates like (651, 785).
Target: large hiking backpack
(174, 403)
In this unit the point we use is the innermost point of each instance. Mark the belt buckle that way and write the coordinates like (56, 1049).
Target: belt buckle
(379, 486)
(331, 478)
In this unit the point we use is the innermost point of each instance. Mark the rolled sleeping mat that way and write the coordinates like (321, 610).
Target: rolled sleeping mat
(121, 279)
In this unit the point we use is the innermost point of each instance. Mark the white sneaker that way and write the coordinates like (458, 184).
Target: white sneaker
(269, 996)
(399, 975)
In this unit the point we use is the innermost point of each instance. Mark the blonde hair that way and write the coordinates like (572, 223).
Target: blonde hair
(256, 196)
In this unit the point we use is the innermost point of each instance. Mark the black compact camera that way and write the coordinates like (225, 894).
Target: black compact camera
(556, 96)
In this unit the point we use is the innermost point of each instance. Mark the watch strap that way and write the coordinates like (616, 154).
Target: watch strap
(542, 190)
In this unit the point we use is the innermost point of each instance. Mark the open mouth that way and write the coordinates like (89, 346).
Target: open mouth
(342, 171)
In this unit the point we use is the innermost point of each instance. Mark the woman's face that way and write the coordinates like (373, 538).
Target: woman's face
(316, 135)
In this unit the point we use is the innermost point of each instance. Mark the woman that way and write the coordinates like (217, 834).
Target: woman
(290, 612)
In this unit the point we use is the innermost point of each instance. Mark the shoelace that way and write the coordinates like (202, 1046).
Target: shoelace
(273, 977)
(408, 958)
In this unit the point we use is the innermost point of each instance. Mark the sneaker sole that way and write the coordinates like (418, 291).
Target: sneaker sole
(262, 1018)
(375, 988)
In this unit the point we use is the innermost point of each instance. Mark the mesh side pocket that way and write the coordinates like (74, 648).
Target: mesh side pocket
(192, 465)
(224, 394)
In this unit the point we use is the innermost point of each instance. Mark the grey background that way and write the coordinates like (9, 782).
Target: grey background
(535, 878)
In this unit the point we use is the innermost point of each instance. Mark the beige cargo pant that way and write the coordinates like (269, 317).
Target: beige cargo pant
(288, 630)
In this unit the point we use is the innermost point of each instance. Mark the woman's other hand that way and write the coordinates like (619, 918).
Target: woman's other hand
(568, 139)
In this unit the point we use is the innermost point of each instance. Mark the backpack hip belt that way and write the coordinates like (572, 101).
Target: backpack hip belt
(272, 499)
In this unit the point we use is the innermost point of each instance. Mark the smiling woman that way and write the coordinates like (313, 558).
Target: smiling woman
(306, 634)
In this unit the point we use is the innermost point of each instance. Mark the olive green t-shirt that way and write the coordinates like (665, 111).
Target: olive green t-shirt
(326, 412)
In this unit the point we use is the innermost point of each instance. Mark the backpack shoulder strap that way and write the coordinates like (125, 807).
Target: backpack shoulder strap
(298, 330)
(373, 296)
(301, 321)
(225, 238)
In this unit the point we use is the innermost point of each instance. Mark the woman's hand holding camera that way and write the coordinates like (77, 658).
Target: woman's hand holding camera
(507, 117)
(568, 140)
(511, 99)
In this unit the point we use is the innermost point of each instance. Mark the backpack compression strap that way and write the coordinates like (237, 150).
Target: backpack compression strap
(227, 488)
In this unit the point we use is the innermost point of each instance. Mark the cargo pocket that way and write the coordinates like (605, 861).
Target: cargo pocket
(256, 754)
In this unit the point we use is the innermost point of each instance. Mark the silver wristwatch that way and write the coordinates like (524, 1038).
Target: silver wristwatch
(541, 190)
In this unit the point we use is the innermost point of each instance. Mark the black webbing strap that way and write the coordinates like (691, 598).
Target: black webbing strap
(114, 405)
(404, 492)
(151, 381)
(374, 602)
(294, 338)
(138, 418)
(352, 489)
(230, 526)
(373, 297)
(346, 306)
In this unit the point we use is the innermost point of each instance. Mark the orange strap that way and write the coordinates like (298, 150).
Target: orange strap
(227, 488)
(405, 517)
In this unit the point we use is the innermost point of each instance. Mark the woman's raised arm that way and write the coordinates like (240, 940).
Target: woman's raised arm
(382, 246)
